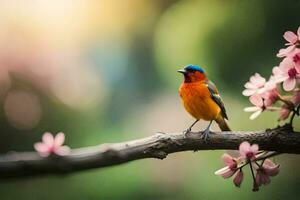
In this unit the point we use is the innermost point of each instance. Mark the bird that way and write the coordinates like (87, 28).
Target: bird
(201, 99)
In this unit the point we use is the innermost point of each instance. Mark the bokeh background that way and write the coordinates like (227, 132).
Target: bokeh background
(105, 71)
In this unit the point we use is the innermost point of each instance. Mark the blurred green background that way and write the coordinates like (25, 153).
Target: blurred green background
(105, 71)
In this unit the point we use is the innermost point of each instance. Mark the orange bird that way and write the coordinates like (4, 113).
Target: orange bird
(201, 99)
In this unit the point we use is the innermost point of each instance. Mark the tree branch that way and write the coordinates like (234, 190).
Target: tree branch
(16, 165)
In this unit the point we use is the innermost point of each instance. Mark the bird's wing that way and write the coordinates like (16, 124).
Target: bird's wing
(216, 97)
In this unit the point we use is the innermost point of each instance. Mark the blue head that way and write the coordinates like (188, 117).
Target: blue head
(193, 68)
(193, 73)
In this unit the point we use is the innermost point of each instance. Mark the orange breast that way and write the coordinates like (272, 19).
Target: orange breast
(197, 101)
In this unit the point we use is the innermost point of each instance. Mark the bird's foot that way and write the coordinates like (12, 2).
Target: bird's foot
(186, 132)
(205, 135)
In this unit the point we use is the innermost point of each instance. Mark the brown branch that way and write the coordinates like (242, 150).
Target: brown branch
(15, 165)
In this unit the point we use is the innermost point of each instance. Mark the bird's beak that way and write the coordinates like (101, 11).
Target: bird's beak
(183, 71)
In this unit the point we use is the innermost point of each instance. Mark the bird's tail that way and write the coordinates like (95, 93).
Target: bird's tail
(222, 123)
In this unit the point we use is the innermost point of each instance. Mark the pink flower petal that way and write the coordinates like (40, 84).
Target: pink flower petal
(62, 151)
(280, 78)
(238, 179)
(225, 172)
(59, 139)
(298, 33)
(296, 97)
(248, 92)
(279, 74)
(261, 178)
(271, 96)
(250, 85)
(265, 179)
(253, 78)
(248, 151)
(285, 52)
(256, 100)
(276, 71)
(255, 115)
(290, 37)
(258, 80)
(228, 160)
(297, 67)
(244, 148)
(48, 139)
(270, 168)
(286, 64)
(254, 148)
(281, 53)
(284, 113)
(289, 84)
(252, 109)
(41, 147)
(271, 84)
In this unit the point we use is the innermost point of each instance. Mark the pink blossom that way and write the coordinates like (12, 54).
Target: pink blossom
(293, 40)
(261, 177)
(271, 84)
(262, 93)
(230, 169)
(238, 179)
(295, 56)
(288, 73)
(263, 96)
(291, 37)
(259, 106)
(286, 52)
(248, 151)
(52, 145)
(254, 85)
(284, 112)
(270, 93)
(286, 109)
(270, 167)
(265, 171)
(270, 97)
(296, 97)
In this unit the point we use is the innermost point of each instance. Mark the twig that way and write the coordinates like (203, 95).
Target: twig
(295, 112)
